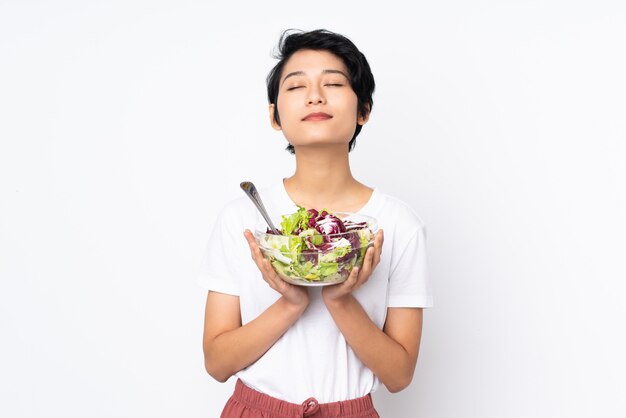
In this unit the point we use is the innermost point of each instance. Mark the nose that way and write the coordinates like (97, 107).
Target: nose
(316, 96)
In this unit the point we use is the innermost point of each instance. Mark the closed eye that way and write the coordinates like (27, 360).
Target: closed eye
(334, 84)
(295, 87)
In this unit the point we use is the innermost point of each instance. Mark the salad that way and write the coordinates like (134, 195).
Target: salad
(317, 246)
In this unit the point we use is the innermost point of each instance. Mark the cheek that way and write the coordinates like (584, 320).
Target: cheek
(351, 111)
(349, 104)
(283, 107)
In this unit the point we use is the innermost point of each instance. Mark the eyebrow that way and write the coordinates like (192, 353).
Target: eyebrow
(298, 73)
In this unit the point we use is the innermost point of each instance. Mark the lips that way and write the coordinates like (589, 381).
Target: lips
(317, 116)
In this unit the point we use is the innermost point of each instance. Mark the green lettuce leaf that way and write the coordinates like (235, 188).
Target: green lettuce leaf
(290, 223)
(326, 269)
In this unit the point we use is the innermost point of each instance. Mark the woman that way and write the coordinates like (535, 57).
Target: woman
(300, 351)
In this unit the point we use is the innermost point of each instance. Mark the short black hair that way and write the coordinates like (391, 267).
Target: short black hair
(361, 77)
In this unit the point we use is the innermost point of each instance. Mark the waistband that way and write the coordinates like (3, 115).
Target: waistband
(358, 407)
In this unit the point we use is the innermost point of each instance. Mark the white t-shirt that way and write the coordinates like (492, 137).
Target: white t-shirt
(312, 358)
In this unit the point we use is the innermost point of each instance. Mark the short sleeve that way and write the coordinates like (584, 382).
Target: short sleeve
(409, 285)
(218, 269)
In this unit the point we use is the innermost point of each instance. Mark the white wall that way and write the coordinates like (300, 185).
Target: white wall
(126, 125)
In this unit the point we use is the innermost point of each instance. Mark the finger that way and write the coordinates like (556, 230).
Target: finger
(269, 272)
(378, 245)
(269, 275)
(366, 269)
(353, 277)
(271, 278)
(255, 251)
(250, 238)
(264, 265)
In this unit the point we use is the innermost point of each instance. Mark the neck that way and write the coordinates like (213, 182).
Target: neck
(322, 171)
(323, 178)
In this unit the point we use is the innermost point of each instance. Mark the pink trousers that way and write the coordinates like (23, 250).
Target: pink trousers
(248, 403)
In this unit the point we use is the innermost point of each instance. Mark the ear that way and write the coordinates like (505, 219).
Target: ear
(275, 125)
(362, 120)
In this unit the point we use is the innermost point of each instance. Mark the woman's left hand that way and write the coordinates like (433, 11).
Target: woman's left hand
(358, 276)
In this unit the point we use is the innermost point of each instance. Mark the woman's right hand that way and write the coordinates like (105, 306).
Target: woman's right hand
(297, 296)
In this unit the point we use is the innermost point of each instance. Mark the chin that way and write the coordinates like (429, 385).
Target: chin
(320, 143)
(320, 140)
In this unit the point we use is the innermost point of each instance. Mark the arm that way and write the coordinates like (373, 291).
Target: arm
(391, 353)
(228, 346)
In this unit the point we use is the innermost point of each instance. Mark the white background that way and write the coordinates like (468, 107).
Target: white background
(126, 125)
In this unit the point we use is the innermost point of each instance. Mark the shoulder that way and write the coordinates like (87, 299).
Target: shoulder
(238, 205)
(398, 213)
(240, 212)
(237, 213)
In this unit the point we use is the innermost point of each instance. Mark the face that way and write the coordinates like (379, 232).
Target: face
(315, 102)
